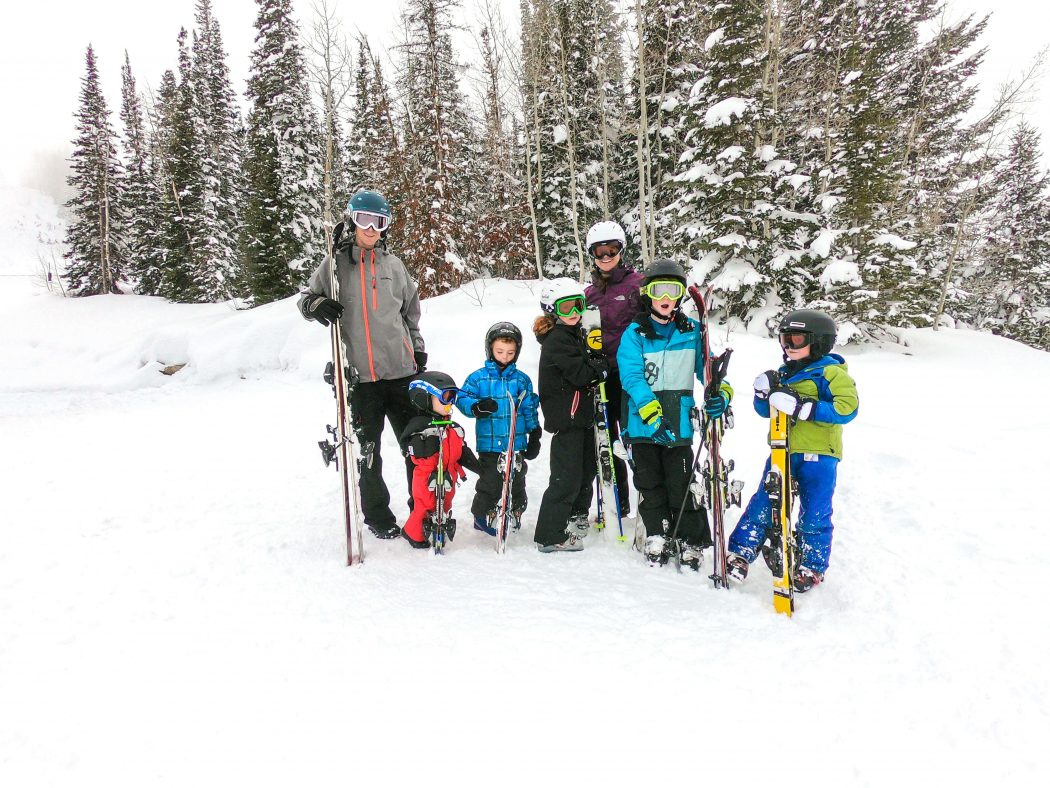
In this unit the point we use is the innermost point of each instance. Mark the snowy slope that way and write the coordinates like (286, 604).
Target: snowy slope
(174, 608)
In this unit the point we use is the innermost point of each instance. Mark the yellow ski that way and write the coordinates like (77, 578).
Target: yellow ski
(779, 489)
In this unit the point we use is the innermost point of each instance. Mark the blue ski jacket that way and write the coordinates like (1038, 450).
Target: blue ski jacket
(827, 381)
(491, 381)
(659, 362)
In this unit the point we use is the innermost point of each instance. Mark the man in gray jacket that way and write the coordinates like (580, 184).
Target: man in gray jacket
(379, 309)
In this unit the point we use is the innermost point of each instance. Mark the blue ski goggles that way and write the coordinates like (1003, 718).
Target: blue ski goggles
(445, 396)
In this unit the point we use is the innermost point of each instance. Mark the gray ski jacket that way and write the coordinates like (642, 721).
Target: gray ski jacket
(380, 324)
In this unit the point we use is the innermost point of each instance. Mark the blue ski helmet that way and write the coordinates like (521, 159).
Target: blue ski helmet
(370, 202)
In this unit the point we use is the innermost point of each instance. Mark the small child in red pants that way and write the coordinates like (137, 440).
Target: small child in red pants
(427, 438)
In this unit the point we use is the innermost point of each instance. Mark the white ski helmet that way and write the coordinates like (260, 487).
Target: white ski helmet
(556, 289)
(604, 232)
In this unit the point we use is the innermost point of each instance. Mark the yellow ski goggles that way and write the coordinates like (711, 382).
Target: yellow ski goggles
(660, 289)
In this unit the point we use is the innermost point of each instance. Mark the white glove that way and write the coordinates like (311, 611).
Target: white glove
(787, 401)
(763, 385)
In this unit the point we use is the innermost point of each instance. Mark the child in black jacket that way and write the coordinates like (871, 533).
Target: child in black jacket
(568, 374)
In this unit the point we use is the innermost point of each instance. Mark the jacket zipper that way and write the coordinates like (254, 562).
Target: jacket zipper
(364, 311)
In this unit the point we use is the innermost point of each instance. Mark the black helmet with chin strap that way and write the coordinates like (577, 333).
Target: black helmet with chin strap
(663, 268)
(818, 327)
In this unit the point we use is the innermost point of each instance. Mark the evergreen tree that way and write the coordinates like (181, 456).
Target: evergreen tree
(1013, 285)
(721, 205)
(283, 229)
(438, 138)
(140, 196)
(186, 230)
(97, 253)
(220, 179)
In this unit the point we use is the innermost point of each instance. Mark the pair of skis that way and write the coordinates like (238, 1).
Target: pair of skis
(718, 492)
(342, 448)
(609, 515)
(780, 486)
(509, 465)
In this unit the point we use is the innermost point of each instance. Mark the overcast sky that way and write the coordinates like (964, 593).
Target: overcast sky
(42, 59)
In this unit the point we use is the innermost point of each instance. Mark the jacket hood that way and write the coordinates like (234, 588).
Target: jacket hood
(542, 327)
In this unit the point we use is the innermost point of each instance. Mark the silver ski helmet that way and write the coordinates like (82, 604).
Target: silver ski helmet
(431, 384)
(371, 205)
(817, 330)
(502, 330)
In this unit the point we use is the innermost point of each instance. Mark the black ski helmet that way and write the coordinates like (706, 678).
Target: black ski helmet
(819, 326)
(663, 268)
(427, 384)
(502, 330)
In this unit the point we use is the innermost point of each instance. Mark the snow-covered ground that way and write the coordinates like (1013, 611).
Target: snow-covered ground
(175, 609)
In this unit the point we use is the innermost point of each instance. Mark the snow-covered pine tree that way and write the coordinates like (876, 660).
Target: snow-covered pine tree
(97, 253)
(670, 34)
(221, 176)
(939, 153)
(573, 67)
(721, 203)
(183, 232)
(502, 235)
(433, 206)
(283, 231)
(141, 197)
(1012, 286)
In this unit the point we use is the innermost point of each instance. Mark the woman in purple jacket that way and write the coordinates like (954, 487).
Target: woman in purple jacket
(614, 289)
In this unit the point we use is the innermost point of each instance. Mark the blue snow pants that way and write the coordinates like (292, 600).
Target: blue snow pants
(816, 486)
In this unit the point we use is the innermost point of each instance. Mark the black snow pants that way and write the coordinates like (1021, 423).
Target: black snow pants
(661, 476)
(370, 405)
(573, 468)
(489, 487)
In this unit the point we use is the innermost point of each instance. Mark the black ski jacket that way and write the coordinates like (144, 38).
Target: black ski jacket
(568, 374)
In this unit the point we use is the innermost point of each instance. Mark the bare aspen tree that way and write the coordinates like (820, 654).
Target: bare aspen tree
(330, 70)
(642, 150)
(570, 150)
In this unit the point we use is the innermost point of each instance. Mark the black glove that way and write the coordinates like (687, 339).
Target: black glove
(532, 451)
(323, 309)
(421, 361)
(601, 367)
(423, 446)
(484, 408)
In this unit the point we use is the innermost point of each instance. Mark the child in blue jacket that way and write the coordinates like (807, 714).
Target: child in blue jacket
(815, 389)
(660, 355)
(487, 396)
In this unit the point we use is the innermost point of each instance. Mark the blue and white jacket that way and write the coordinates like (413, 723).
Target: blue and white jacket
(491, 381)
(660, 361)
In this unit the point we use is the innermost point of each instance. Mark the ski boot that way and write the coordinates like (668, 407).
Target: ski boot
(578, 525)
(691, 555)
(805, 579)
(385, 530)
(774, 557)
(418, 544)
(515, 523)
(657, 550)
(487, 525)
(736, 567)
(570, 545)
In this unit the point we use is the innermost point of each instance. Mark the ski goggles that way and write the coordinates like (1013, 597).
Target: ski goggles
(670, 289)
(796, 340)
(570, 305)
(445, 396)
(366, 219)
(608, 250)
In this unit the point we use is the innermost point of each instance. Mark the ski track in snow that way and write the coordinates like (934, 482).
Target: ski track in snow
(175, 610)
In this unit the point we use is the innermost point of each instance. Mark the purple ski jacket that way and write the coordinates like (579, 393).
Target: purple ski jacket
(618, 304)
